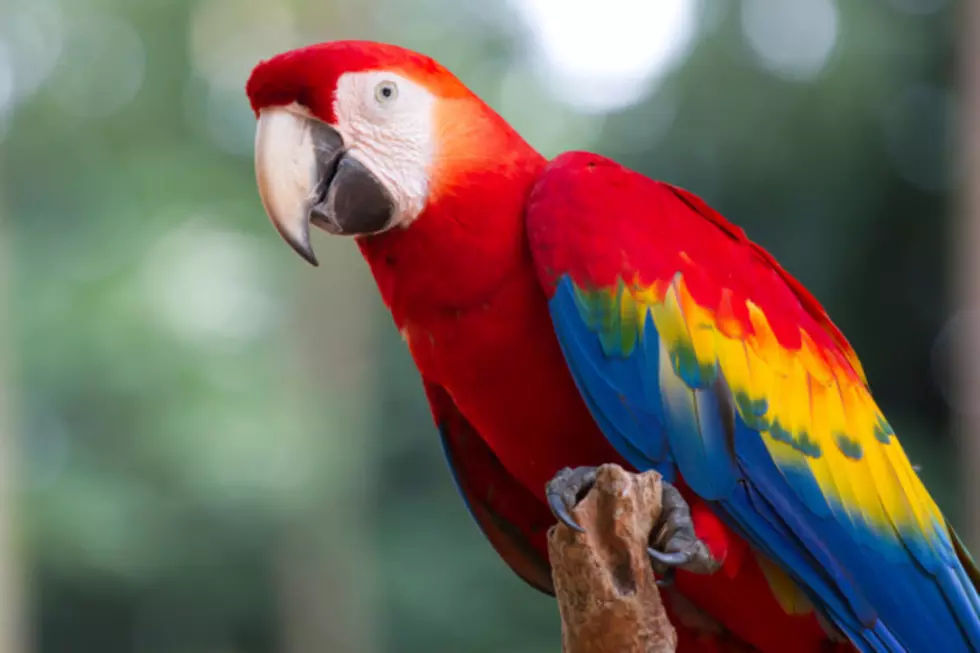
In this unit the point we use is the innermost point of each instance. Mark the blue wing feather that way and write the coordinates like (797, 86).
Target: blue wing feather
(642, 442)
(670, 412)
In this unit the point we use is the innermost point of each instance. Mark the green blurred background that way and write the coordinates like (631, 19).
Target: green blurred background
(210, 447)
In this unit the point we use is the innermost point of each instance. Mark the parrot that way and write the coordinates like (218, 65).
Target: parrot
(568, 313)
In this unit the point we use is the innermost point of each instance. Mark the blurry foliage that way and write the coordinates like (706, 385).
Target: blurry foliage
(177, 434)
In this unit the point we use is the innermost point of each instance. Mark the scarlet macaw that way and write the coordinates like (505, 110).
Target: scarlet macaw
(569, 313)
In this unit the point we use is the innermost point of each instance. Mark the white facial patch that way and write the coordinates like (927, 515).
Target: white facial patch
(386, 123)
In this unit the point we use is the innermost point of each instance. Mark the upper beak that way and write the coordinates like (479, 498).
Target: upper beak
(304, 175)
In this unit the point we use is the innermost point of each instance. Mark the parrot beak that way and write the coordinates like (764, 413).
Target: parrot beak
(304, 175)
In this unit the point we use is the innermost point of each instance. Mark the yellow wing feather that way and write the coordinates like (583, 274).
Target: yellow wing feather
(813, 413)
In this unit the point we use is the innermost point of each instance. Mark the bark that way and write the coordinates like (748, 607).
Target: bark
(607, 595)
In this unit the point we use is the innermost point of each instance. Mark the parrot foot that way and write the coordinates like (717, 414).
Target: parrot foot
(675, 544)
(566, 489)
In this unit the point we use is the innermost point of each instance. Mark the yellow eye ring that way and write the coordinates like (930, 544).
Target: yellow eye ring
(386, 92)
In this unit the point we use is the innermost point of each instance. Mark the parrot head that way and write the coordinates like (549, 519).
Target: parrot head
(359, 138)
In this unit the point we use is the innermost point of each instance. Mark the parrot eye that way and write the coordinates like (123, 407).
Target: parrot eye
(385, 92)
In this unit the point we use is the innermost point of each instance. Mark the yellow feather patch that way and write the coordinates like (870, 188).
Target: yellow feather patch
(810, 405)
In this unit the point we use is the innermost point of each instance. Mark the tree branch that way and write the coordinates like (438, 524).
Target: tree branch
(607, 595)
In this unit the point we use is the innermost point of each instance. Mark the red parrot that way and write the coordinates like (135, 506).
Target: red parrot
(569, 313)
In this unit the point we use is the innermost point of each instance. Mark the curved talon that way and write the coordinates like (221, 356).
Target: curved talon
(565, 490)
(675, 544)
(672, 559)
(665, 565)
(558, 508)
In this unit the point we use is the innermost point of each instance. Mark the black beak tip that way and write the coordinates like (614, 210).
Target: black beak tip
(306, 252)
(310, 258)
(301, 245)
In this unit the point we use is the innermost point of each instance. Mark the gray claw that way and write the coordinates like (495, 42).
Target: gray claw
(676, 546)
(673, 559)
(558, 509)
(565, 490)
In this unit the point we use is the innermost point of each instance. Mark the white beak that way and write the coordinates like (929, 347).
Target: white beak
(286, 173)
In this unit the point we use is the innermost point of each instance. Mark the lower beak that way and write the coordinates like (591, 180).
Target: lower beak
(304, 175)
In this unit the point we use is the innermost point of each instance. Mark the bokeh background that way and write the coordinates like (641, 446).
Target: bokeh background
(209, 447)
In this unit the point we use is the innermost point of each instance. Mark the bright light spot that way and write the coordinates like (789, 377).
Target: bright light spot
(204, 284)
(601, 56)
(228, 37)
(34, 34)
(793, 40)
(102, 67)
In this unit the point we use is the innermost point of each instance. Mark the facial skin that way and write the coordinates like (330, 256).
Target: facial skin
(366, 173)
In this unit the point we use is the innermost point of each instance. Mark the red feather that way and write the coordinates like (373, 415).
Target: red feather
(308, 76)
(683, 218)
(462, 287)
(463, 290)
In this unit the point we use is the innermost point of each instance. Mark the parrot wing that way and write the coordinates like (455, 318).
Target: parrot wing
(516, 522)
(511, 518)
(699, 356)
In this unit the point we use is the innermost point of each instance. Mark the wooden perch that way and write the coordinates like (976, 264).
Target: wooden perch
(607, 595)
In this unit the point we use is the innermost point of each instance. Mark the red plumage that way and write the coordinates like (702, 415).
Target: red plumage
(308, 76)
(687, 236)
(464, 291)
